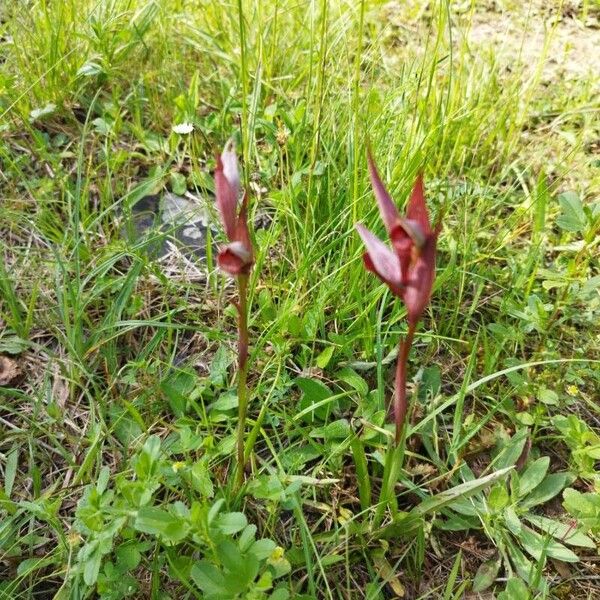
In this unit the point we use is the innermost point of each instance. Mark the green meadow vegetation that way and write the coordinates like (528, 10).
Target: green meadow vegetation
(118, 403)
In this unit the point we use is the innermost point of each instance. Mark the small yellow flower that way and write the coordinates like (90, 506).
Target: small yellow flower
(277, 553)
(177, 466)
(572, 390)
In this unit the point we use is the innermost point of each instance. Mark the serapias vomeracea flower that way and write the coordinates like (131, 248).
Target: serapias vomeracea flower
(408, 268)
(236, 257)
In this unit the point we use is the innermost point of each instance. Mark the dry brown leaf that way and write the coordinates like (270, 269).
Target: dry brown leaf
(60, 389)
(9, 369)
(562, 569)
(422, 469)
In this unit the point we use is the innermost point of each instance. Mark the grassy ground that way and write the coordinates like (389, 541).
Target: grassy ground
(117, 405)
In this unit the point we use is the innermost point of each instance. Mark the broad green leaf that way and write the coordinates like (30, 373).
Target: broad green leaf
(180, 566)
(124, 427)
(157, 521)
(591, 285)
(279, 594)
(294, 325)
(294, 458)
(317, 399)
(128, 555)
(354, 380)
(464, 490)
(525, 418)
(265, 302)
(537, 545)
(586, 507)
(90, 69)
(266, 487)
(92, 553)
(430, 384)
(573, 217)
(242, 568)
(30, 565)
(498, 497)
(551, 486)
(562, 531)
(209, 579)
(214, 510)
(486, 575)
(262, 548)
(220, 365)
(403, 525)
(512, 521)
(230, 523)
(533, 475)
(521, 563)
(229, 555)
(91, 567)
(225, 402)
(178, 183)
(103, 479)
(12, 344)
(339, 429)
(103, 126)
(548, 396)
(147, 461)
(459, 522)
(512, 450)
(247, 537)
(201, 481)
(176, 388)
(468, 507)
(515, 590)
(324, 357)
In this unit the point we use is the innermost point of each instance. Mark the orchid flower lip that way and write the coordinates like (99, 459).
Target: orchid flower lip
(239, 249)
(414, 230)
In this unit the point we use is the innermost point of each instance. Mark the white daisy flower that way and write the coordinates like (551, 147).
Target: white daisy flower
(183, 128)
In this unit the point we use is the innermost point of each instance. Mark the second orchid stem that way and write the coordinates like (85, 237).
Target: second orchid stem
(242, 383)
(400, 401)
(395, 453)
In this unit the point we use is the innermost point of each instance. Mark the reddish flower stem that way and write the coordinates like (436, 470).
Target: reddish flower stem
(400, 402)
(242, 387)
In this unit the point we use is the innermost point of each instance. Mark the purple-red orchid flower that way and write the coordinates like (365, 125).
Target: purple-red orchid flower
(235, 258)
(408, 268)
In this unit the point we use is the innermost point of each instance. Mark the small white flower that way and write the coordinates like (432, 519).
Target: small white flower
(183, 128)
